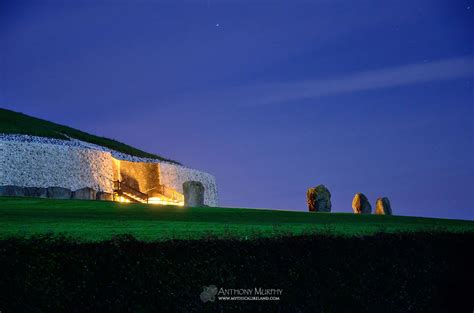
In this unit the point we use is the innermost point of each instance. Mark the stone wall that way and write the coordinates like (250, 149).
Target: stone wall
(46, 165)
(174, 176)
(40, 162)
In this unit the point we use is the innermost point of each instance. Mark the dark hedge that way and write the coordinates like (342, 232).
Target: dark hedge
(417, 272)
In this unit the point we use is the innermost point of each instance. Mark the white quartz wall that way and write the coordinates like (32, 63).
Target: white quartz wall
(31, 161)
(31, 164)
(174, 176)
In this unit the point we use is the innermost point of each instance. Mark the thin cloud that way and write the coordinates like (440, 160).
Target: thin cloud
(369, 80)
(271, 93)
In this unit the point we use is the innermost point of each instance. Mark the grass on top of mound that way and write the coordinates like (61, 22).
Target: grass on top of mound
(102, 220)
(18, 123)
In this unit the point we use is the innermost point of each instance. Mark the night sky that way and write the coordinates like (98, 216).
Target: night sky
(271, 97)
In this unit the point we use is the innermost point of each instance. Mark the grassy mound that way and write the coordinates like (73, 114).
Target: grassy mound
(18, 123)
(101, 220)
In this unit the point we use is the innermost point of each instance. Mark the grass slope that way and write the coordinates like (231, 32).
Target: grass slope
(101, 220)
(18, 123)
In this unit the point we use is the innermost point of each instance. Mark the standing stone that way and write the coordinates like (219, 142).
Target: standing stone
(383, 206)
(319, 199)
(59, 193)
(193, 193)
(84, 194)
(36, 192)
(14, 191)
(360, 204)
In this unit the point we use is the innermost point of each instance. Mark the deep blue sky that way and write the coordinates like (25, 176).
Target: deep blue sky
(272, 97)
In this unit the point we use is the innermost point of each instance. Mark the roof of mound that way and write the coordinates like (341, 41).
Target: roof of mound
(18, 123)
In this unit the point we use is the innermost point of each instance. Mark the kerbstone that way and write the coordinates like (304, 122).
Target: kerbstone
(104, 196)
(11, 190)
(84, 194)
(59, 193)
(36, 192)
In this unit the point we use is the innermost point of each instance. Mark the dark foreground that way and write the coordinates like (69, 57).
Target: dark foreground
(413, 272)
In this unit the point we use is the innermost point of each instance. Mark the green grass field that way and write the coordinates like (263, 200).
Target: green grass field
(101, 220)
(18, 123)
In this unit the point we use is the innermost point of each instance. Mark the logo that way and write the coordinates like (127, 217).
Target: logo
(211, 292)
(208, 293)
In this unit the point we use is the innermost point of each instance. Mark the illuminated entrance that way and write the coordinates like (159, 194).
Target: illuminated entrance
(160, 195)
(140, 182)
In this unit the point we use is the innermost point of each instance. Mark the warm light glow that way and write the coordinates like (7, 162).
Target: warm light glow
(122, 199)
(164, 201)
(163, 195)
